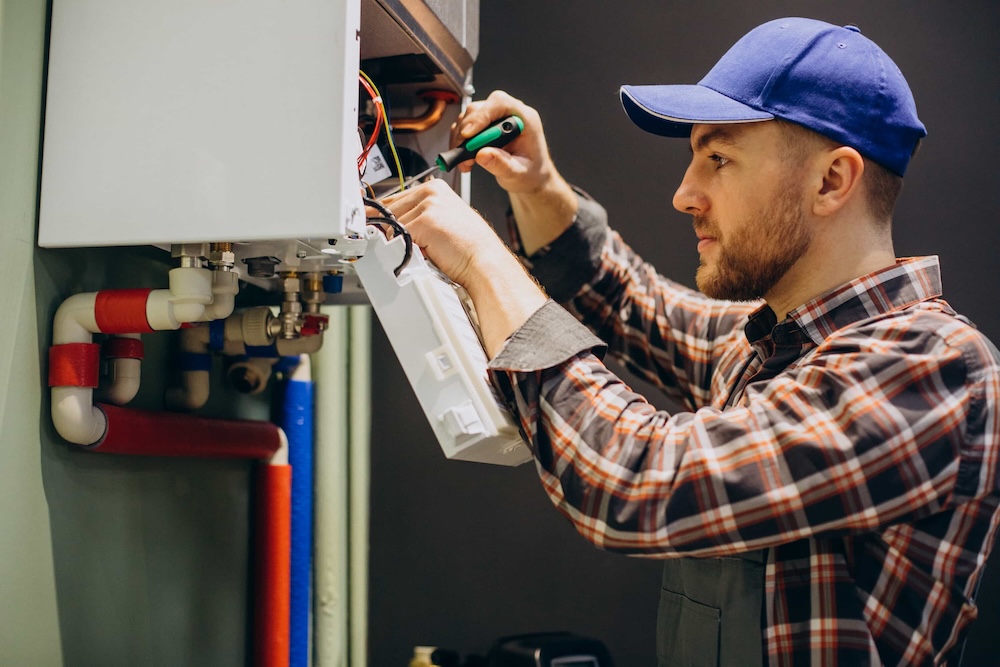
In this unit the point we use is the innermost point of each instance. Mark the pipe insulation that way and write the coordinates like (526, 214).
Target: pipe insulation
(272, 564)
(297, 422)
(147, 433)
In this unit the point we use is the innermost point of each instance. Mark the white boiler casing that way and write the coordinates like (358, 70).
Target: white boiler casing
(190, 121)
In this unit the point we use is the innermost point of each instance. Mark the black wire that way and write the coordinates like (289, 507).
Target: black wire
(388, 218)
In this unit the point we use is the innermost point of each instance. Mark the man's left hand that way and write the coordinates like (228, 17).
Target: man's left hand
(450, 233)
(466, 249)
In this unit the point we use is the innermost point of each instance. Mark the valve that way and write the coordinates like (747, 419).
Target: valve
(313, 325)
(288, 324)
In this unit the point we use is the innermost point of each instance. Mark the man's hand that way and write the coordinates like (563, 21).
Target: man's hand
(466, 249)
(544, 205)
(524, 165)
(450, 234)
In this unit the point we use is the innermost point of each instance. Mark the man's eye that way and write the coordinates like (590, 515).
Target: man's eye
(719, 160)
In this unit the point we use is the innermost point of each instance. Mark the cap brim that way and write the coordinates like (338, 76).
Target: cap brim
(670, 111)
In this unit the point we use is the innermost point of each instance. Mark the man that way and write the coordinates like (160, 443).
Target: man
(832, 493)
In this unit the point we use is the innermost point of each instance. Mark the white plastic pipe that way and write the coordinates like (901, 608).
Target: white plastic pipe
(225, 287)
(124, 375)
(280, 457)
(194, 390)
(74, 414)
(75, 320)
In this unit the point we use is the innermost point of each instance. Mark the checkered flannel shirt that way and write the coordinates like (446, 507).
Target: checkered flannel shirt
(857, 441)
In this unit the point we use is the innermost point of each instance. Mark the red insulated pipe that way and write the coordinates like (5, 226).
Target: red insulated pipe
(144, 433)
(122, 311)
(273, 570)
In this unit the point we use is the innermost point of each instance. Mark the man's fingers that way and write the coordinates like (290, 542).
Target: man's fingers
(500, 163)
(480, 115)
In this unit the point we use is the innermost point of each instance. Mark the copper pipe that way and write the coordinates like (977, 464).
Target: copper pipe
(438, 101)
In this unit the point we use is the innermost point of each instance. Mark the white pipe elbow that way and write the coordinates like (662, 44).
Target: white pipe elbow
(194, 390)
(160, 311)
(75, 320)
(296, 346)
(75, 416)
(225, 287)
(220, 308)
(280, 457)
(195, 339)
(124, 376)
(191, 285)
(185, 312)
(189, 294)
(192, 394)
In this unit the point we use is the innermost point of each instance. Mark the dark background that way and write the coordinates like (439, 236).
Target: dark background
(464, 553)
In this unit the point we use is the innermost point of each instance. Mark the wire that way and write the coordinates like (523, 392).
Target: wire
(379, 115)
(388, 218)
(388, 126)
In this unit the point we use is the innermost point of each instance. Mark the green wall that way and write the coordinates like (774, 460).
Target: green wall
(29, 630)
(104, 560)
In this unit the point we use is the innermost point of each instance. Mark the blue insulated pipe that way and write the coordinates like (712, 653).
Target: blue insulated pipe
(297, 421)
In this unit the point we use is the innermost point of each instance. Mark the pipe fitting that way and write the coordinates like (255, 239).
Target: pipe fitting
(124, 375)
(76, 319)
(225, 287)
(250, 376)
(75, 416)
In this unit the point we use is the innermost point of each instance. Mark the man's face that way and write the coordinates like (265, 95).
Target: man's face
(746, 198)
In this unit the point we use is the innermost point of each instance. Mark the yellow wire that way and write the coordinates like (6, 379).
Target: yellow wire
(388, 131)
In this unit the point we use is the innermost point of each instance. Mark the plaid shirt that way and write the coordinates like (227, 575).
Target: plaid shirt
(857, 441)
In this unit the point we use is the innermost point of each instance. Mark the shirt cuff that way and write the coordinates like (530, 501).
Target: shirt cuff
(568, 263)
(550, 337)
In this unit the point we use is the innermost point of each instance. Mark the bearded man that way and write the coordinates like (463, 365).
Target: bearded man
(831, 493)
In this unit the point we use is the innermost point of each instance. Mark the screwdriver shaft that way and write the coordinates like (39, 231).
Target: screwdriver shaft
(410, 181)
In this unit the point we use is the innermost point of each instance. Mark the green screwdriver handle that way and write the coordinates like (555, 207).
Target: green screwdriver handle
(497, 136)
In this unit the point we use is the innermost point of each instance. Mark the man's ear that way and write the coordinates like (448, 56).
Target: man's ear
(841, 170)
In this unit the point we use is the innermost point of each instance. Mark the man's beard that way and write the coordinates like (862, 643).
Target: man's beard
(752, 259)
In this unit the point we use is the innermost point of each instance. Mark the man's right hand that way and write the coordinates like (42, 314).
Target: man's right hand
(543, 203)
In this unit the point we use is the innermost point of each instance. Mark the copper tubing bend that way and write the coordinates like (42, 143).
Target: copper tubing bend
(438, 101)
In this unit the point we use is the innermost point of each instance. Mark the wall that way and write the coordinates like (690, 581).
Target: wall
(462, 554)
(29, 631)
(106, 560)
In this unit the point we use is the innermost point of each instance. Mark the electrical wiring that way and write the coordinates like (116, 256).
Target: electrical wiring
(388, 218)
(379, 115)
(374, 91)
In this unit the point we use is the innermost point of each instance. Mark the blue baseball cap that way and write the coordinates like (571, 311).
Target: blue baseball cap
(832, 80)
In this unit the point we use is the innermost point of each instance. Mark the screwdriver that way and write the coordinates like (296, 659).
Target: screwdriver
(496, 136)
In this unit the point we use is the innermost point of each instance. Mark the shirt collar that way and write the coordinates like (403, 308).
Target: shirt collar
(910, 281)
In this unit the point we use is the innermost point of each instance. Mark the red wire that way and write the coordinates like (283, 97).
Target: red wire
(379, 116)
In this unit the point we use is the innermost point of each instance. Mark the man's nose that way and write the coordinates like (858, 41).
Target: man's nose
(689, 197)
